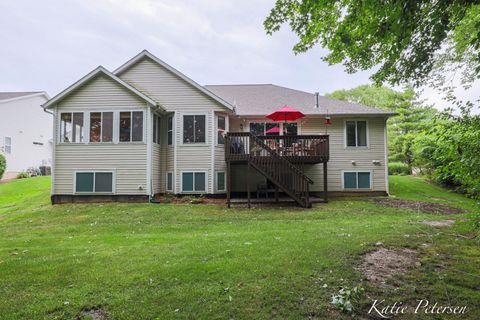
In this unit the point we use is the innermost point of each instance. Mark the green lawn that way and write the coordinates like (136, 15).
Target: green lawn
(148, 261)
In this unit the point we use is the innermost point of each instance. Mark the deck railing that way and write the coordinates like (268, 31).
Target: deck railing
(298, 148)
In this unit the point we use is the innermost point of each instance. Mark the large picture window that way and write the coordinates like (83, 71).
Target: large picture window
(194, 182)
(101, 182)
(356, 180)
(101, 126)
(170, 130)
(194, 129)
(71, 127)
(356, 132)
(265, 128)
(220, 130)
(131, 126)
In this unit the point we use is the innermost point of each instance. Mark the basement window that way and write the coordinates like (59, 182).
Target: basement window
(220, 181)
(96, 182)
(356, 180)
(194, 181)
(170, 181)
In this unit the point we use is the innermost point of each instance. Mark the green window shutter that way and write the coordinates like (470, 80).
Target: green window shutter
(103, 182)
(220, 181)
(187, 181)
(84, 182)
(350, 180)
(200, 181)
(364, 180)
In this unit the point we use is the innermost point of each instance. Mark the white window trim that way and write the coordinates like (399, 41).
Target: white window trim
(144, 126)
(173, 130)
(101, 127)
(5, 145)
(356, 140)
(84, 132)
(183, 114)
(166, 181)
(116, 125)
(357, 171)
(194, 171)
(114, 181)
(224, 181)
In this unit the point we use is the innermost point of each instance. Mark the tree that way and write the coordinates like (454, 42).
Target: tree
(406, 39)
(412, 116)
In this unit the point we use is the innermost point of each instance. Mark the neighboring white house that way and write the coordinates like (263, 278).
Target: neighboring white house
(25, 131)
(146, 129)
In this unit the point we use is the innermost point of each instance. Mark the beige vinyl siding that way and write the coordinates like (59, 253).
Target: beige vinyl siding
(341, 157)
(156, 168)
(128, 160)
(172, 92)
(100, 93)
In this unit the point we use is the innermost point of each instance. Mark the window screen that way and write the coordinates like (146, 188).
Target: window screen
(220, 181)
(199, 181)
(103, 182)
(220, 130)
(170, 181)
(84, 182)
(187, 181)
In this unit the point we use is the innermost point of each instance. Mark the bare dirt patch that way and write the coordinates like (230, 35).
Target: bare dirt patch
(427, 207)
(441, 223)
(190, 200)
(382, 264)
(94, 313)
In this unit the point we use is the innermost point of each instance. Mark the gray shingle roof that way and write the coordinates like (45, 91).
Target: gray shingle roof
(262, 99)
(11, 95)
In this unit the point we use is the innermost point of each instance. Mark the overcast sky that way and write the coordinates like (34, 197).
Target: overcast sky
(48, 45)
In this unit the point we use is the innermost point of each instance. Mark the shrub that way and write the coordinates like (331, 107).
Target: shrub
(23, 175)
(3, 165)
(345, 299)
(398, 168)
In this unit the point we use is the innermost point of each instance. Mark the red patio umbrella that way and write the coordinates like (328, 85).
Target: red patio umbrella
(275, 129)
(285, 114)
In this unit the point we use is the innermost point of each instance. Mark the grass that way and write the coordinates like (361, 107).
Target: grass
(149, 261)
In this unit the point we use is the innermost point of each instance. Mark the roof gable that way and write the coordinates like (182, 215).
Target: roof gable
(145, 54)
(97, 71)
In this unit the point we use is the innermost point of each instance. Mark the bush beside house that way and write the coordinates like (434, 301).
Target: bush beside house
(3, 165)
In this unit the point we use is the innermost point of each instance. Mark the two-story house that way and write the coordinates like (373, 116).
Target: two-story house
(147, 129)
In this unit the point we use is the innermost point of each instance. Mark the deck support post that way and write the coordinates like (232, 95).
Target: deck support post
(248, 183)
(228, 183)
(276, 193)
(325, 182)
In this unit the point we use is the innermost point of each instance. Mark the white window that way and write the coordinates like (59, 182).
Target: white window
(131, 126)
(71, 127)
(220, 130)
(101, 126)
(356, 133)
(7, 145)
(156, 129)
(94, 182)
(169, 181)
(170, 130)
(194, 181)
(357, 180)
(194, 128)
(220, 183)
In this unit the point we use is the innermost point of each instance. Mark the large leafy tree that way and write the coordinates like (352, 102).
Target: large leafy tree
(412, 116)
(406, 40)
